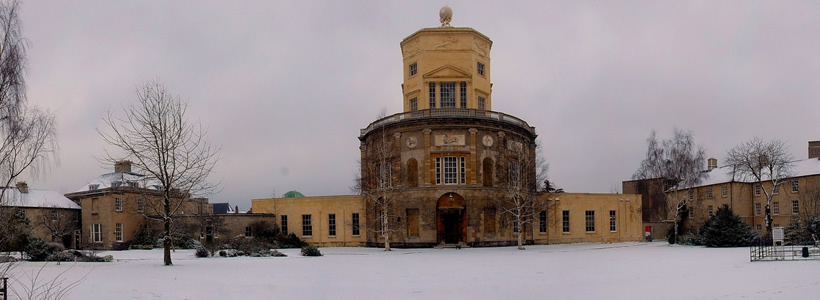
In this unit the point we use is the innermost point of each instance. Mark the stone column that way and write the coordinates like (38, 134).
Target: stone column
(427, 170)
(473, 161)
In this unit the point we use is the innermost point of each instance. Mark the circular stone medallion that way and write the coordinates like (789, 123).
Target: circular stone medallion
(412, 142)
(487, 141)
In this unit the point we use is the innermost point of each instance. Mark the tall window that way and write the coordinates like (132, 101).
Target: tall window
(448, 94)
(515, 225)
(724, 190)
(590, 220)
(96, 233)
(307, 226)
(118, 204)
(118, 232)
(452, 169)
(331, 224)
(542, 221)
(565, 221)
(284, 222)
(140, 206)
(776, 189)
(513, 175)
(463, 94)
(710, 210)
(795, 207)
(709, 192)
(480, 68)
(757, 209)
(355, 221)
(487, 171)
(385, 174)
(432, 88)
(691, 195)
(414, 104)
(414, 69)
(612, 221)
(776, 208)
(481, 103)
(795, 186)
(757, 189)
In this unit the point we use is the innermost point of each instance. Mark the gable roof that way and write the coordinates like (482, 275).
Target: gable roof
(37, 198)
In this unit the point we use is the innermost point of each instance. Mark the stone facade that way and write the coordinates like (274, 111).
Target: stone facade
(326, 221)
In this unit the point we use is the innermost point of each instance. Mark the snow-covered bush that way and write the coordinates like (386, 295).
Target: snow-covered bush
(201, 252)
(725, 229)
(36, 249)
(276, 253)
(309, 250)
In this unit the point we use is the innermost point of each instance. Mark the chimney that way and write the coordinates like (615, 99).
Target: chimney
(814, 149)
(22, 186)
(122, 166)
(236, 211)
(712, 164)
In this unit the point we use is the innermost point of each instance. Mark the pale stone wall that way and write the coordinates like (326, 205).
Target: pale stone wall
(628, 223)
(319, 208)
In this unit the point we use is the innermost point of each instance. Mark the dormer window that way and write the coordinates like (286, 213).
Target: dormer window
(132, 184)
(92, 187)
(116, 183)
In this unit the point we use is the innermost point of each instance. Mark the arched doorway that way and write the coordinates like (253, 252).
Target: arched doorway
(451, 219)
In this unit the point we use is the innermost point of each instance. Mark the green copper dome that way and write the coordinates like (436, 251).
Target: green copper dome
(293, 194)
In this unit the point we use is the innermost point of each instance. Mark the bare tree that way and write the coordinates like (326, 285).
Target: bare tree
(29, 134)
(761, 162)
(677, 164)
(58, 222)
(380, 186)
(162, 144)
(523, 188)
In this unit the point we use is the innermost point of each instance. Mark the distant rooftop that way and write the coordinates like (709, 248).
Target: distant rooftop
(293, 194)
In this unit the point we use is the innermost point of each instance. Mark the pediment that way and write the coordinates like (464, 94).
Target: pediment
(447, 71)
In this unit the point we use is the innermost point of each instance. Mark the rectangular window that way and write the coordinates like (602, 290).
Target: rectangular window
(795, 207)
(140, 206)
(438, 170)
(355, 221)
(724, 191)
(775, 225)
(284, 223)
(96, 233)
(759, 228)
(385, 174)
(248, 231)
(414, 104)
(795, 186)
(710, 210)
(590, 220)
(432, 95)
(118, 204)
(776, 208)
(481, 103)
(331, 224)
(515, 224)
(776, 189)
(480, 68)
(413, 222)
(118, 232)
(709, 192)
(757, 189)
(448, 94)
(565, 221)
(463, 173)
(450, 170)
(414, 69)
(54, 215)
(307, 226)
(691, 213)
(463, 94)
(542, 221)
(757, 209)
(612, 221)
(691, 195)
(513, 174)
(489, 220)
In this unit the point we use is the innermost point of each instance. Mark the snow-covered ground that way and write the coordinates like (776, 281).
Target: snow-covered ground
(581, 271)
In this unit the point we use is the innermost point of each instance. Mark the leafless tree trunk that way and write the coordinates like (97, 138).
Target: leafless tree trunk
(523, 187)
(163, 145)
(678, 165)
(761, 162)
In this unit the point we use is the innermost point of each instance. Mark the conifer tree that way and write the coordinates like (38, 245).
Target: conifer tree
(725, 229)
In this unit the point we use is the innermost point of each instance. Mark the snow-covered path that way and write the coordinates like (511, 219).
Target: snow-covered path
(586, 271)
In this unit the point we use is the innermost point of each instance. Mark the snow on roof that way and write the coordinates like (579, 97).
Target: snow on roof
(118, 179)
(37, 198)
(800, 168)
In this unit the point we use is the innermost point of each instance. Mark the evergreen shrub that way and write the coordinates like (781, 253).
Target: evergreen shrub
(725, 229)
(309, 250)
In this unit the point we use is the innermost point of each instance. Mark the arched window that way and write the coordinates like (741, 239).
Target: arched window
(412, 173)
(487, 172)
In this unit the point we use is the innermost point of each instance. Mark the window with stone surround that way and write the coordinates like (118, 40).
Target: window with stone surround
(331, 225)
(355, 224)
(590, 220)
(96, 233)
(284, 223)
(414, 104)
(414, 69)
(463, 94)
(307, 226)
(118, 232)
(432, 94)
(447, 90)
(565, 221)
(480, 68)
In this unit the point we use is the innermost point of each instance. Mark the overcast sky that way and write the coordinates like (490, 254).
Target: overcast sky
(284, 87)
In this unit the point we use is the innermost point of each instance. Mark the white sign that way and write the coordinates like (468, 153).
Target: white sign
(777, 233)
